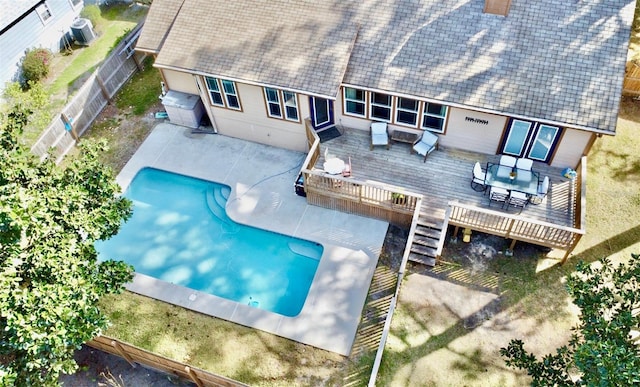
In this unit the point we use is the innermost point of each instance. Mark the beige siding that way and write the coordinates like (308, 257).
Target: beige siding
(571, 148)
(253, 124)
(179, 81)
(473, 131)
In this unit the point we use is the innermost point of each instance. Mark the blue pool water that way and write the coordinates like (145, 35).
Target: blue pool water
(180, 233)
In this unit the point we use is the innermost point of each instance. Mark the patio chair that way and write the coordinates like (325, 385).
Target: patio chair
(426, 144)
(379, 134)
(507, 163)
(524, 163)
(543, 189)
(517, 199)
(477, 181)
(497, 194)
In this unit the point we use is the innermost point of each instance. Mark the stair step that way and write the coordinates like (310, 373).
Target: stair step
(429, 223)
(428, 232)
(429, 261)
(423, 250)
(425, 241)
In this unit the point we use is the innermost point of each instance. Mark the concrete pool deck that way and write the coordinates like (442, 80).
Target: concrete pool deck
(262, 181)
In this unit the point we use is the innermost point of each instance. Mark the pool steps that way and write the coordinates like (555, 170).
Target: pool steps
(216, 198)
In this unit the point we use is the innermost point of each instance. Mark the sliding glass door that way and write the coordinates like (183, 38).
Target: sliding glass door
(530, 139)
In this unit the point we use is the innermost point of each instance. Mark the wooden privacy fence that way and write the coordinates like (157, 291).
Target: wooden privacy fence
(631, 85)
(348, 194)
(135, 355)
(76, 117)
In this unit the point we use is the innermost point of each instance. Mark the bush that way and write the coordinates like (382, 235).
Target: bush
(35, 65)
(91, 12)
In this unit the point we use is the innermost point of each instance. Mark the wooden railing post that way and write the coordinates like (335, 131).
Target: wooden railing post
(193, 376)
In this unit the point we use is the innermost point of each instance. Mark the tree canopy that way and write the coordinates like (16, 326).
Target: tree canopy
(601, 351)
(50, 276)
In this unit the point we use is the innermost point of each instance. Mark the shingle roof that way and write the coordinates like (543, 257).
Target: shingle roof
(293, 44)
(548, 59)
(552, 60)
(157, 24)
(12, 9)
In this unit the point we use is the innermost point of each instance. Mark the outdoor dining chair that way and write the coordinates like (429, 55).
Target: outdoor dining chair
(543, 189)
(517, 199)
(507, 163)
(379, 134)
(497, 194)
(478, 179)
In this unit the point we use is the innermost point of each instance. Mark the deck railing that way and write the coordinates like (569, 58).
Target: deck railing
(349, 194)
(519, 228)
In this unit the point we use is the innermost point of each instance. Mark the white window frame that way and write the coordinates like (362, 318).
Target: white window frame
(425, 114)
(43, 9)
(362, 102)
(290, 101)
(76, 6)
(275, 103)
(224, 94)
(373, 105)
(400, 109)
(230, 94)
(215, 81)
(285, 100)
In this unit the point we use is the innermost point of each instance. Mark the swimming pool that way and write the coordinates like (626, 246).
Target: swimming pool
(180, 233)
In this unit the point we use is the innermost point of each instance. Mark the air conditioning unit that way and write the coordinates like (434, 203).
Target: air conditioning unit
(83, 31)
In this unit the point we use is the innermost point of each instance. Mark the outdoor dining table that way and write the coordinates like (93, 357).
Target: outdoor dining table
(512, 179)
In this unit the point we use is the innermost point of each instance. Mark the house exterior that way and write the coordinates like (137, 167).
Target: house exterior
(536, 79)
(29, 24)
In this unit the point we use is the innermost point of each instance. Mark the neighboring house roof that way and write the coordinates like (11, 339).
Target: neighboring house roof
(560, 61)
(294, 44)
(13, 10)
(158, 24)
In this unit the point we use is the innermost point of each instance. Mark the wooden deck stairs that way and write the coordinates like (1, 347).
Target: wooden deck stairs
(425, 240)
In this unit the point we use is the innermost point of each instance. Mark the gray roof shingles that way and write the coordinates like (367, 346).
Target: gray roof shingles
(291, 44)
(157, 24)
(551, 60)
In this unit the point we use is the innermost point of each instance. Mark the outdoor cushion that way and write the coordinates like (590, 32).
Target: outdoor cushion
(379, 134)
(427, 144)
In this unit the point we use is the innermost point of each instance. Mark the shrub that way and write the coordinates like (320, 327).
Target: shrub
(35, 64)
(91, 12)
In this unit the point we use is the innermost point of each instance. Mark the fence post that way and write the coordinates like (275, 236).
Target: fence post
(122, 352)
(103, 87)
(193, 376)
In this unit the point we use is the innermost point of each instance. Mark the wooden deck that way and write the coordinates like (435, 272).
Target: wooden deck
(445, 177)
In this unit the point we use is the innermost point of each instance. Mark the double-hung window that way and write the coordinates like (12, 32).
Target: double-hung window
(433, 117)
(281, 104)
(407, 111)
(223, 93)
(44, 12)
(273, 102)
(355, 102)
(380, 107)
(76, 3)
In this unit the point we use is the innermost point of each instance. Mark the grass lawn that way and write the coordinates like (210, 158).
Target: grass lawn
(69, 71)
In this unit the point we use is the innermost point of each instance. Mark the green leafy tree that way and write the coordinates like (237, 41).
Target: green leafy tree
(601, 351)
(50, 278)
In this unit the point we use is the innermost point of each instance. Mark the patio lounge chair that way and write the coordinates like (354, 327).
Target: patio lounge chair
(426, 144)
(379, 134)
(477, 182)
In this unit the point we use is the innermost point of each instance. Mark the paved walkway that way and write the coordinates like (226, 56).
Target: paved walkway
(261, 178)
